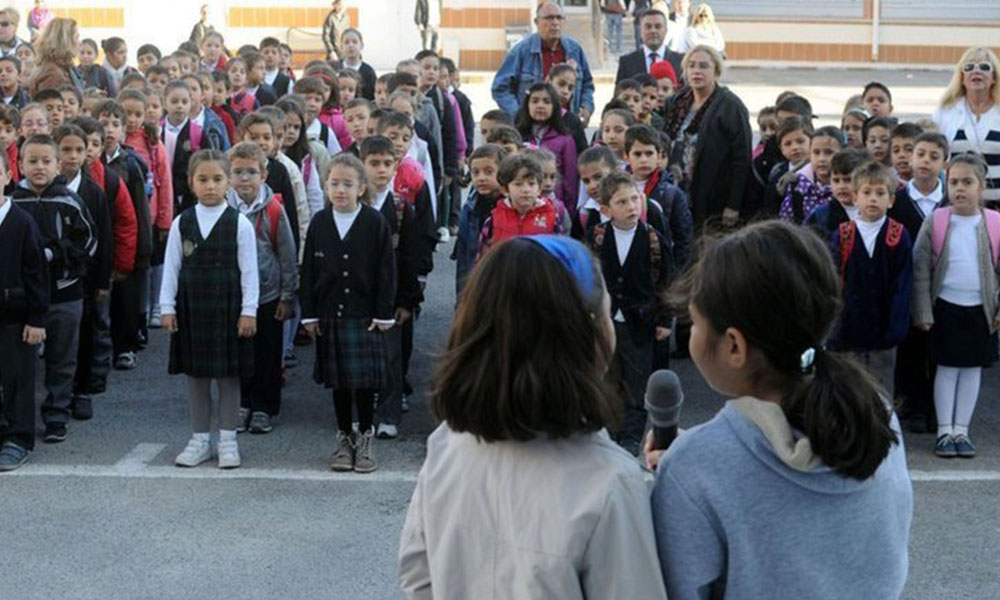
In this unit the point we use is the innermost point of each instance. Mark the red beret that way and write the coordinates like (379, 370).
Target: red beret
(663, 69)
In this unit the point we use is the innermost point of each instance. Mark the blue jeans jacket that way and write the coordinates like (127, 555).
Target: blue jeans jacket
(523, 68)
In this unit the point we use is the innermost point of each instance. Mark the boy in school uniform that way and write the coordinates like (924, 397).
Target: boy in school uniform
(379, 159)
(10, 83)
(128, 316)
(256, 71)
(259, 129)
(916, 201)
(24, 302)
(270, 49)
(70, 243)
(875, 258)
(637, 265)
(312, 89)
(826, 219)
(277, 261)
(901, 142)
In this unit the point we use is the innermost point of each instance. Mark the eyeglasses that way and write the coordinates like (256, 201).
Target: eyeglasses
(983, 67)
(245, 173)
(553, 18)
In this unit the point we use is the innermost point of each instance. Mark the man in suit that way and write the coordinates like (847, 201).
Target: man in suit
(653, 30)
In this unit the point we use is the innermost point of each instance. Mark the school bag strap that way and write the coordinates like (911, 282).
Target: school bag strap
(196, 135)
(273, 210)
(598, 235)
(655, 255)
(939, 230)
(848, 234)
(893, 234)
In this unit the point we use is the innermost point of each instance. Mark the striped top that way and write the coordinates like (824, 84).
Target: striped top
(966, 133)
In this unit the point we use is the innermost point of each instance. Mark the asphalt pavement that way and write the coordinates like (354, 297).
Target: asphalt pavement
(105, 514)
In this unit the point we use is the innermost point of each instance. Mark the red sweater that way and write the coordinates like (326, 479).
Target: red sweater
(505, 222)
(124, 226)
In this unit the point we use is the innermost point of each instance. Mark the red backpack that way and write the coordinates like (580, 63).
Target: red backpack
(273, 210)
(849, 233)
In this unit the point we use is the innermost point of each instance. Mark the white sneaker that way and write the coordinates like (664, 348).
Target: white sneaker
(386, 431)
(443, 235)
(196, 453)
(229, 455)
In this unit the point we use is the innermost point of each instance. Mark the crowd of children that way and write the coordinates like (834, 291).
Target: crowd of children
(245, 209)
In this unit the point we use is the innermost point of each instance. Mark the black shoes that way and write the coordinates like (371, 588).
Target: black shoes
(81, 408)
(55, 433)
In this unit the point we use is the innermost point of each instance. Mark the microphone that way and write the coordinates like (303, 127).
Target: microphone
(664, 398)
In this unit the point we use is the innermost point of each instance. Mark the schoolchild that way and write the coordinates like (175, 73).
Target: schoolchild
(91, 72)
(539, 121)
(208, 304)
(877, 99)
(852, 123)
(264, 93)
(812, 185)
(72, 100)
(826, 219)
(213, 129)
(10, 83)
(955, 299)
(259, 129)
(767, 126)
(484, 165)
(614, 123)
(550, 180)
(213, 52)
(901, 142)
(10, 122)
(877, 131)
(270, 49)
(507, 138)
(52, 100)
(793, 142)
(522, 211)
(594, 165)
(220, 104)
(422, 148)
(493, 119)
(352, 45)
(146, 56)
(312, 158)
(314, 93)
(241, 100)
(350, 313)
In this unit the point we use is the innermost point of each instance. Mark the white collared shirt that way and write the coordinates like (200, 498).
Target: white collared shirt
(380, 198)
(74, 184)
(4, 209)
(623, 243)
(869, 233)
(344, 221)
(925, 203)
(199, 119)
(110, 158)
(271, 76)
(661, 53)
(170, 134)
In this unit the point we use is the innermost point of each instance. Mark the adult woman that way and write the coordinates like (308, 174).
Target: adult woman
(969, 115)
(710, 129)
(523, 494)
(680, 20)
(56, 50)
(704, 31)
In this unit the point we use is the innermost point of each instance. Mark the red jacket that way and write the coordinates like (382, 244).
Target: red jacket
(12, 154)
(408, 180)
(505, 222)
(227, 120)
(161, 202)
(124, 226)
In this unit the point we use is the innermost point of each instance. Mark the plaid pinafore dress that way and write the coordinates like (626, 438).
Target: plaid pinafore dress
(209, 300)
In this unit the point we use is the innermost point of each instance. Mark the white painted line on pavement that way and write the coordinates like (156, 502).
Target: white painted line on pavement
(206, 471)
(139, 457)
(954, 476)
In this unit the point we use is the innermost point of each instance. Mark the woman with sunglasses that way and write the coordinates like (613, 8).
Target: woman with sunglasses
(969, 115)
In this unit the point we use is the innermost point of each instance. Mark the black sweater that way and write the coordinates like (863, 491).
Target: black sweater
(134, 172)
(24, 278)
(350, 278)
(280, 183)
(402, 220)
(67, 233)
(99, 273)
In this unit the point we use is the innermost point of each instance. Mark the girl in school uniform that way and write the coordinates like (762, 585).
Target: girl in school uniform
(348, 293)
(955, 290)
(812, 185)
(208, 303)
(540, 123)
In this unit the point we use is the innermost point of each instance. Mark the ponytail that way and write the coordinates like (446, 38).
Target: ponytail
(841, 410)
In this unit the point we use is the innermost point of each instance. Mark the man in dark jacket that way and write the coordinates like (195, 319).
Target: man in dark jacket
(653, 30)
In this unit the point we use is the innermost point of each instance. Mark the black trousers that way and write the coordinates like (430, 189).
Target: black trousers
(407, 343)
(125, 309)
(914, 376)
(261, 391)
(93, 358)
(633, 362)
(17, 382)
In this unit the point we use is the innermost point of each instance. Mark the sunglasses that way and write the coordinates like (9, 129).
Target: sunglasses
(984, 67)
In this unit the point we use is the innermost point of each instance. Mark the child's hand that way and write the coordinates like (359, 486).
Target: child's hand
(924, 326)
(313, 329)
(283, 311)
(246, 327)
(380, 326)
(651, 457)
(661, 333)
(169, 323)
(729, 217)
(402, 315)
(33, 335)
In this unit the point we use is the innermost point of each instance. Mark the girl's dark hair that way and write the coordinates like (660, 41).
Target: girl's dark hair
(69, 130)
(112, 44)
(504, 134)
(206, 156)
(148, 49)
(88, 124)
(599, 155)
(560, 69)
(973, 160)
(89, 42)
(835, 403)
(791, 125)
(498, 116)
(848, 160)
(873, 122)
(624, 113)
(69, 87)
(510, 371)
(492, 151)
(300, 148)
(523, 120)
(832, 132)
(346, 159)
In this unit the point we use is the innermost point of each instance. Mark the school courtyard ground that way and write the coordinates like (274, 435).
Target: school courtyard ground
(106, 514)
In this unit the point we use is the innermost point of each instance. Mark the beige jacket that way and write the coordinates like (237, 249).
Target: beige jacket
(927, 280)
(567, 519)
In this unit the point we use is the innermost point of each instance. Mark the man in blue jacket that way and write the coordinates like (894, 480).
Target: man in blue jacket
(531, 59)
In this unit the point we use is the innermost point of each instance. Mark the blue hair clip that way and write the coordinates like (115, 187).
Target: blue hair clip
(573, 255)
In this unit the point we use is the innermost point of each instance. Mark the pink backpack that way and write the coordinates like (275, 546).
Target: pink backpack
(939, 229)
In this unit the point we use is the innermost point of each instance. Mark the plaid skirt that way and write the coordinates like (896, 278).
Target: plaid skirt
(348, 356)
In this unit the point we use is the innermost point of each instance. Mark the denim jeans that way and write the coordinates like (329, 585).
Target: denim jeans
(613, 32)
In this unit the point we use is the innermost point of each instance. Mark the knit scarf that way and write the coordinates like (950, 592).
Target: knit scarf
(679, 109)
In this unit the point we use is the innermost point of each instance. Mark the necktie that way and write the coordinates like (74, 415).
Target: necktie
(652, 59)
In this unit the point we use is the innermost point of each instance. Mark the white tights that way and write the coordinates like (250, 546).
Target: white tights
(955, 393)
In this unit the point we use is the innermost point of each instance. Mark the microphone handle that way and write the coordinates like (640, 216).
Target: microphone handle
(663, 437)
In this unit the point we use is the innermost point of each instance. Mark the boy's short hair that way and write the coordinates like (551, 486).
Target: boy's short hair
(149, 49)
(220, 77)
(47, 94)
(791, 125)
(512, 166)
(270, 42)
(872, 172)
(562, 69)
(847, 160)
(157, 69)
(505, 134)
(795, 104)
(245, 50)
(393, 118)
(498, 116)
(385, 78)
(248, 151)
(177, 84)
(400, 79)
(277, 116)
(542, 155)
(253, 58)
(598, 155)
(310, 85)
(254, 118)
(376, 144)
(665, 143)
(12, 60)
(427, 53)
(492, 151)
(69, 87)
(359, 101)
(10, 114)
(767, 111)
(286, 48)
(110, 108)
(643, 134)
(874, 122)
(627, 84)
(645, 80)
(41, 139)
(349, 73)
(89, 125)
(906, 130)
(611, 184)
(67, 130)
(133, 94)
(407, 62)
(933, 137)
(402, 95)
(877, 85)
